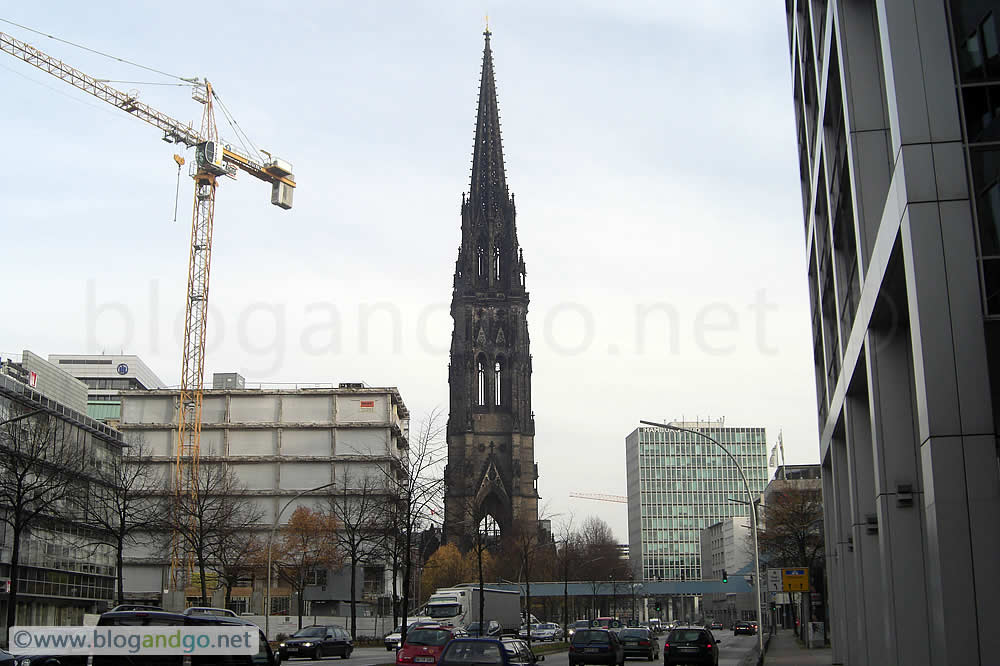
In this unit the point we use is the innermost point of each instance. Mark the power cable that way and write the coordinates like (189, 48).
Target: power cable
(86, 48)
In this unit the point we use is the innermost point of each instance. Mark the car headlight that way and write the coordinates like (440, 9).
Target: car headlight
(281, 645)
(23, 661)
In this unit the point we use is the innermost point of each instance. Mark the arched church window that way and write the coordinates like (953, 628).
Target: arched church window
(480, 261)
(498, 382)
(481, 380)
(496, 264)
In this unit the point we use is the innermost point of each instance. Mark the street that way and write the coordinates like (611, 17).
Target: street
(731, 652)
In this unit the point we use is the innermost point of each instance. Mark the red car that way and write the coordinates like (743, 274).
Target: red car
(424, 645)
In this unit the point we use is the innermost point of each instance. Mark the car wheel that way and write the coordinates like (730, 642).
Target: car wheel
(347, 653)
(318, 654)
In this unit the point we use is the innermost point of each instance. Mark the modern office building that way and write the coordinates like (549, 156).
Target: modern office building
(280, 443)
(65, 567)
(725, 549)
(106, 376)
(680, 483)
(47, 378)
(896, 112)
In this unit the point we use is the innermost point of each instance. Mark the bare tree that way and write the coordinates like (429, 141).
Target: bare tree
(567, 554)
(526, 543)
(307, 544)
(41, 462)
(416, 492)
(216, 505)
(122, 501)
(236, 555)
(358, 508)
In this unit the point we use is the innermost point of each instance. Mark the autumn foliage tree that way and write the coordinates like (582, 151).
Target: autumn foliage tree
(306, 545)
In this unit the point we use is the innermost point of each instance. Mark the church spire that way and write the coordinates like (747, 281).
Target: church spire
(489, 185)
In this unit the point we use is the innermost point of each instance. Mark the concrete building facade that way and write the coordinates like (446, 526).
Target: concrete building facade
(895, 118)
(279, 443)
(724, 548)
(679, 484)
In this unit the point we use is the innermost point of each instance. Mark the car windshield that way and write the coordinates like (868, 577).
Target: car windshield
(633, 633)
(686, 636)
(443, 610)
(590, 636)
(474, 653)
(428, 637)
(310, 632)
(581, 624)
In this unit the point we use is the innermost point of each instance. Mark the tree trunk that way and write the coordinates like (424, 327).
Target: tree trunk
(229, 593)
(482, 597)
(15, 558)
(301, 602)
(407, 571)
(120, 558)
(204, 583)
(395, 581)
(354, 596)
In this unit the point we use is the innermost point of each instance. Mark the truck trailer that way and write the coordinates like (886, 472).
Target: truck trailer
(459, 606)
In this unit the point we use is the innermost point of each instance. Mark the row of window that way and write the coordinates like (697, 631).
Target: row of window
(484, 394)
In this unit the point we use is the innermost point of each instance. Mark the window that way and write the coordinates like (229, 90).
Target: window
(480, 262)
(496, 264)
(481, 380)
(497, 382)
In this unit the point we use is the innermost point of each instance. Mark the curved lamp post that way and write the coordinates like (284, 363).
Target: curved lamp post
(270, 540)
(753, 523)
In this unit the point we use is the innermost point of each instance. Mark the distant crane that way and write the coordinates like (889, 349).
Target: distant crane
(213, 159)
(600, 497)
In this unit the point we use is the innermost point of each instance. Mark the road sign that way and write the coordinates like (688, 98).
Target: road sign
(795, 580)
(774, 580)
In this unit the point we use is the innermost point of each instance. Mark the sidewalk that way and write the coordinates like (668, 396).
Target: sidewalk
(783, 649)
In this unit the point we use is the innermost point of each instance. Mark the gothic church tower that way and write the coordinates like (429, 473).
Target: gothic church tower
(491, 472)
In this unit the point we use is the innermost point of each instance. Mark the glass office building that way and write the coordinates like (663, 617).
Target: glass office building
(680, 483)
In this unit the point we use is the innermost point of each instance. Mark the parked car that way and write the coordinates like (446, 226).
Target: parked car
(317, 641)
(424, 645)
(579, 624)
(743, 627)
(487, 652)
(205, 610)
(596, 646)
(639, 642)
(264, 656)
(546, 631)
(691, 645)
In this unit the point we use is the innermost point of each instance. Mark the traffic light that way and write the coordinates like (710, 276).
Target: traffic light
(725, 576)
(658, 607)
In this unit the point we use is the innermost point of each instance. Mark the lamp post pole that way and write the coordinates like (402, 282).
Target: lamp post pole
(753, 522)
(270, 541)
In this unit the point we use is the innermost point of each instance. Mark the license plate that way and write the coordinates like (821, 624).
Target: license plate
(293, 649)
(631, 642)
(424, 660)
(688, 649)
(592, 650)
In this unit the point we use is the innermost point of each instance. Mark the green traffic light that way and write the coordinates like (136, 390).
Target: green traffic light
(725, 576)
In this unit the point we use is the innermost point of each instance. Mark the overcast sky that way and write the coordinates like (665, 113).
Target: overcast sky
(650, 146)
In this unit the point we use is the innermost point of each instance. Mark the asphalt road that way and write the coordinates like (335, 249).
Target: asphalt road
(731, 652)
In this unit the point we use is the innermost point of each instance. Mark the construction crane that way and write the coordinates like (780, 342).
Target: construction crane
(212, 160)
(601, 497)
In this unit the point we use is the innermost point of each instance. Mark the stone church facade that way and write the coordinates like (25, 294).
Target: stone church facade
(491, 474)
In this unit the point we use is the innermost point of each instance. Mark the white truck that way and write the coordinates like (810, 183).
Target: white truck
(459, 606)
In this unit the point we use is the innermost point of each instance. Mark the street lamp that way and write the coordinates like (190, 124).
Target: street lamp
(270, 539)
(753, 521)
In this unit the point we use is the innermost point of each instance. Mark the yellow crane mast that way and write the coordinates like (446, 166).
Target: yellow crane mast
(212, 159)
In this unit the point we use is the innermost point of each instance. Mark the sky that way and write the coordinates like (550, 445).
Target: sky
(650, 146)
